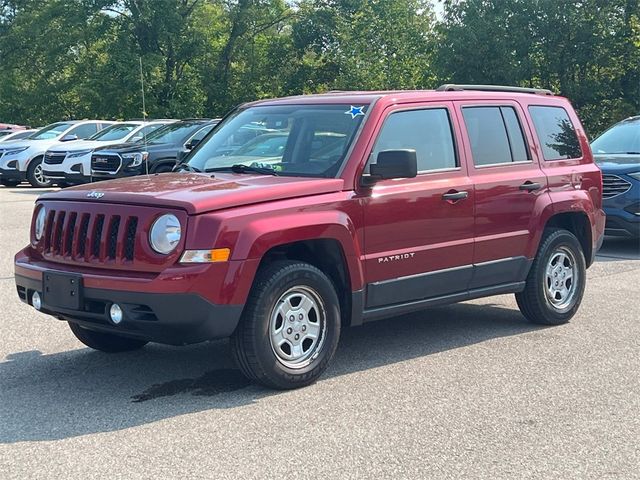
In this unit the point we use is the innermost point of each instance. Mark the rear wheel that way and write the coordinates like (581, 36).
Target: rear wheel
(556, 281)
(35, 174)
(105, 342)
(290, 328)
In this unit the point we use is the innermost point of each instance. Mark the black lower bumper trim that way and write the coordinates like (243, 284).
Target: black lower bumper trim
(620, 227)
(65, 177)
(170, 318)
(12, 175)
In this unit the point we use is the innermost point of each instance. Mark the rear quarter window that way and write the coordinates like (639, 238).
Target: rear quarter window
(556, 133)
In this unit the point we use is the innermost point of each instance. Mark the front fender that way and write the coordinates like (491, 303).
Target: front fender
(261, 235)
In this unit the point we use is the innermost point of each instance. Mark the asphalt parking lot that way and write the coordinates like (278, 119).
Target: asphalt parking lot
(465, 391)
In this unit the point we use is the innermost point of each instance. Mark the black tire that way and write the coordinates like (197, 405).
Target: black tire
(9, 183)
(105, 342)
(252, 345)
(34, 174)
(535, 300)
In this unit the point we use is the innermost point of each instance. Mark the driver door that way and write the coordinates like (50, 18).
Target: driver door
(419, 231)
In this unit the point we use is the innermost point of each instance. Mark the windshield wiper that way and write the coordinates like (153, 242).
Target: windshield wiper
(240, 168)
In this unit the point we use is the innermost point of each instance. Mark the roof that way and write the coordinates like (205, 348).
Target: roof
(448, 92)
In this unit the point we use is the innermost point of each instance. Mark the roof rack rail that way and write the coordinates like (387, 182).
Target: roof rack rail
(450, 87)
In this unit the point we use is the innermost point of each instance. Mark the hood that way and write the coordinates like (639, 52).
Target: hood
(199, 192)
(135, 147)
(37, 144)
(618, 163)
(78, 145)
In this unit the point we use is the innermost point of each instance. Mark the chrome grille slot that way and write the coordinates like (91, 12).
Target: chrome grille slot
(69, 234)
(57, 234)
(82, 238)
(613, 185)
(97, 236)
(130, 240)
(113, 237)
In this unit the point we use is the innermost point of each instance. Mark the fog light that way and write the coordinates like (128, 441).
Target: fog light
(115, 312)
(36, 301)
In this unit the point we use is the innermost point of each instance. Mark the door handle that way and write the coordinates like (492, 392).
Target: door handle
(530, 186)
(455, 196)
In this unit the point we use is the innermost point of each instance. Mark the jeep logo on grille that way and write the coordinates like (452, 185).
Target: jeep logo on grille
(96, 195)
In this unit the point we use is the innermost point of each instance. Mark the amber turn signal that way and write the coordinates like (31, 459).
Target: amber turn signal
(206, 256)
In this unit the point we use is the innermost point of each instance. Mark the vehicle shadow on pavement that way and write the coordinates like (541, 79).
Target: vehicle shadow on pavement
(79, 392)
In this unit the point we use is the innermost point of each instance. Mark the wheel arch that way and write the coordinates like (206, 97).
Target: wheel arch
(578, 223)
(326, 240)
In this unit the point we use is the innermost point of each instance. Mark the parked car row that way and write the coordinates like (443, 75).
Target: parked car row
(77, 152)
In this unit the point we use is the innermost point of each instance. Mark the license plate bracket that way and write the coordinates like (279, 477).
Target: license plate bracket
(63, 290)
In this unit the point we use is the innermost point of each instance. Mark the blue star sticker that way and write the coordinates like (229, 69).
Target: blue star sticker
(355, 111)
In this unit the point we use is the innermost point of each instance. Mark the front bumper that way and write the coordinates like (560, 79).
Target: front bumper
(12, 175)
(110, 176)
(169, 318)
(66, 177)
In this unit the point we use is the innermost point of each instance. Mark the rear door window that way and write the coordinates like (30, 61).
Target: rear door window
(556, 133)
(495, 135)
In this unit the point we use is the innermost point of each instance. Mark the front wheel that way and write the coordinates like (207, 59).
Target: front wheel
(105, 342)
(35, 174)
(556, 281)
(290, 328)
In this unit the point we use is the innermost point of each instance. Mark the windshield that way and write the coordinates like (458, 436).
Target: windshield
(145, 131)
(177, 132)
(50, 131)
(114, 132)
(295, 140)
(623, 138)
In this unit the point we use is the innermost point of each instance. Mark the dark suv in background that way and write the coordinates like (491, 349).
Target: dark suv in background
(157, 155)
(617, 153)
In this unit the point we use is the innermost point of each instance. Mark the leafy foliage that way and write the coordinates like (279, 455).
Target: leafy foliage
(81, 58)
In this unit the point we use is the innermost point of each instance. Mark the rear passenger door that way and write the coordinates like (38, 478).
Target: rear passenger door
(508, 182)
(419, 240)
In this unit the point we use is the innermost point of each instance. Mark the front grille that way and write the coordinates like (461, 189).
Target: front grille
(613, 185)
(54, 158)
(87, 237)
(102, 162)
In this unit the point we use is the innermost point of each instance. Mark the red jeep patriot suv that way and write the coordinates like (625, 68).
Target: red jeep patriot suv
(299, 216)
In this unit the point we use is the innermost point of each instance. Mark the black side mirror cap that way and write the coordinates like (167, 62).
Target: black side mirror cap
(393, 164)
(192, 144)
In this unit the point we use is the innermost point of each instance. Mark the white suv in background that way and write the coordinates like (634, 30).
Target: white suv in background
(13, 135)
(22, 160)
(71, 164)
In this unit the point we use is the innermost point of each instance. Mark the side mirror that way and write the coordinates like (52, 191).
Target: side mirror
(69, 137)
(192, 144)
(393, 164)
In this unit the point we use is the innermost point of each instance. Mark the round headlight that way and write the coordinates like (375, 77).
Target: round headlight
(165, 234)
(38, 227)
